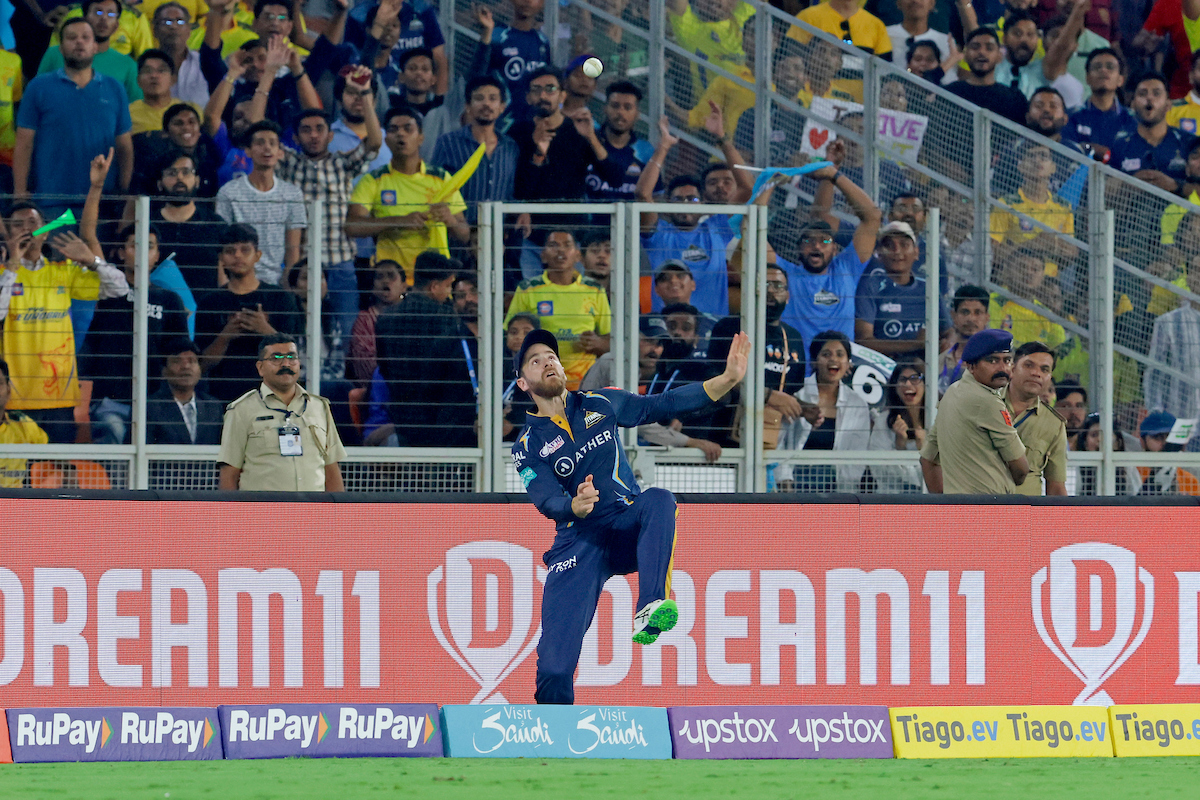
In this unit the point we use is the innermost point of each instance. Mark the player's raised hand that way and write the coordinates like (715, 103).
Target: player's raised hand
(585, 498)
(739, 357)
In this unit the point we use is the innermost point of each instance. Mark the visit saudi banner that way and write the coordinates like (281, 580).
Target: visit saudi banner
(1001, 732)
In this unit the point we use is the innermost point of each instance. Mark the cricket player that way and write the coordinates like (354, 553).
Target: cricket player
(571, 461)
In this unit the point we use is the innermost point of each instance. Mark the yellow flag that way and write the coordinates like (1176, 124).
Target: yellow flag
(459, 178)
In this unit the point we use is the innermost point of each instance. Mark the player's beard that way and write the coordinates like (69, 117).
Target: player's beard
(552, 386)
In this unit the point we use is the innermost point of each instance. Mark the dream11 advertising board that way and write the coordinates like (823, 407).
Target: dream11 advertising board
(206, 604)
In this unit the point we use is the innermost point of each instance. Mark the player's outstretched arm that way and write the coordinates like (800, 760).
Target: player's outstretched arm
(585, 498)
(735, 368)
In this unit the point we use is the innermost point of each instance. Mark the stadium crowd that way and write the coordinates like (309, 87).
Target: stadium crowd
(234, 117)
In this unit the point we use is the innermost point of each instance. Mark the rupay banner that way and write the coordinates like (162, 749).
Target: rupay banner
(780, 732)
(896, 605)
(524, 731)
(113, 734)
(326, 730)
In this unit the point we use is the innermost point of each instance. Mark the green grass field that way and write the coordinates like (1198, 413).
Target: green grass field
(338, 779)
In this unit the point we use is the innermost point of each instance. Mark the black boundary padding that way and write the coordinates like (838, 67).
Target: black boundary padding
(498, 498)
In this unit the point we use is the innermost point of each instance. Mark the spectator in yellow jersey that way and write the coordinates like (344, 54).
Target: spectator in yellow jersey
(12, 83)
(393, 205)
(131, 28)
(712, 30)
(35, 304)
(1033, 199)
(574, 308)
(1022, 276)
(848, 21)
(156, 78)
(1173, 216)
(102, 16)
(15, 428)
(1184, 113)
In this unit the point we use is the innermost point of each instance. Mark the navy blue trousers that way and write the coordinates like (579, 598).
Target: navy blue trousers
(638, 538)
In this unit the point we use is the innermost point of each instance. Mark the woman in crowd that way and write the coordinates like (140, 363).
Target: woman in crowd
(1087, 478)
(900, 425)
(843, 424)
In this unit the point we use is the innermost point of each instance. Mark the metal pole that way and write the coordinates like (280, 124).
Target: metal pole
(1102, 332)
(550, 28)
(656, 88)
(312, 336)
(870, 122)
(623, 330)
(446, 9)
(141, 344)
(488, 407)
(933, 307)
(495, 245)
(762, 80)
(982, 194)
(756, 303)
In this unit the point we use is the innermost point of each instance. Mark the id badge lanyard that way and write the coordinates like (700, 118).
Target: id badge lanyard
(290, 444)
(470, 368)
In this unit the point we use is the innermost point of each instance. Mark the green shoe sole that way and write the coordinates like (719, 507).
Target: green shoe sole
(662, 620)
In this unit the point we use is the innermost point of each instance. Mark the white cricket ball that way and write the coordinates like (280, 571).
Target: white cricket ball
(593, 67)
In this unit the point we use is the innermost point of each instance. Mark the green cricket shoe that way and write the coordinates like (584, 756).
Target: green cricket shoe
(654, 618)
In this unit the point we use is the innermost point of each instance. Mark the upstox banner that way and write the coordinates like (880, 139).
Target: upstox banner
(1156, 730)
(321, 730)
(780, 732)
(113, 734)
(1001, 732)
(512, 731)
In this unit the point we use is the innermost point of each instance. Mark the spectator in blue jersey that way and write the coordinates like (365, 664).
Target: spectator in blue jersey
(513, 52)
(909, 208)
(382, 31)
(1101, 117)
(493, 179)
(890, 307)
(822, 286)
(1154, 152)
(627, 153)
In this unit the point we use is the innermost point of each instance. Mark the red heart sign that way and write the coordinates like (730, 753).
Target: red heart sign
(817, 138)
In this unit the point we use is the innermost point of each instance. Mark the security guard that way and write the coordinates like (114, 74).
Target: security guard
(972, 447)
(569, 457)
(278, 437)
(1041, 428)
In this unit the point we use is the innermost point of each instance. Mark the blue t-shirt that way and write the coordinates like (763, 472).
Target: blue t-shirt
(1090, 124)
(418, 26)
(823, 302)
(627, 161)
(703, 250)
(54, 108)
(1131, 153)
(513, 56)
(895, 311)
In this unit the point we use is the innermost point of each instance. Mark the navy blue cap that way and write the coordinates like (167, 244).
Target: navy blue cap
(1156, 423)
(537, 336)
(986, 342)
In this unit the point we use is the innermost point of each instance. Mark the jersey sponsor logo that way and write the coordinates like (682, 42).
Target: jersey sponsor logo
(1084, 130)
(527, 476)
(551, 446)
(509, 51)
(545, 308)
(891, 308)
(387, 197)
(591, 418)
(593, 443)
(61, 290)
(1007, 418)
(18, 289)
(1131, 164)
(1026, 225)
(893, 328)
(826, 298)
(564, 466)
(563, 566)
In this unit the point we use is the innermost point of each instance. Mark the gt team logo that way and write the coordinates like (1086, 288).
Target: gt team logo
(591, 418)
(1095, 648)
(470, 619)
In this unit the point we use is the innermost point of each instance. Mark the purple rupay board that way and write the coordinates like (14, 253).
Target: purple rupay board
(780, 732)
(322, 730)
(113, 734)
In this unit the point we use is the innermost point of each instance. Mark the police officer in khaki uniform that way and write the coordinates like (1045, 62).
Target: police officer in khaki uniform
(972, 447)
(1041, 428)
(278, 437)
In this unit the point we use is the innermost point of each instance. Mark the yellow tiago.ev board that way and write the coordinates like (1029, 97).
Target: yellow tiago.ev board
(1001, 732)
(1158, 730)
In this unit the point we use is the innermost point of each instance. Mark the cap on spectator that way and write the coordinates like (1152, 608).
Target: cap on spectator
(674, 265)
(816, 226)
(652, 327)
(985, 343)
(897, 229)
(576, 62)
(1156, 423)
(537, 336)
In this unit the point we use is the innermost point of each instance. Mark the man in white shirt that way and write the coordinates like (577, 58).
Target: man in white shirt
(915, 28)
(172, 24)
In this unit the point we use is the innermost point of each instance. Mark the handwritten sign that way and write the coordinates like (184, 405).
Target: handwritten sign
(897, 132)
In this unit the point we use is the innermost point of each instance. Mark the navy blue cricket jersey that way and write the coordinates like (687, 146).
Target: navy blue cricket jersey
(554, 454)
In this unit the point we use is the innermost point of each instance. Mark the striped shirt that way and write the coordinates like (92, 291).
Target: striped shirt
(1175, 343)
(330, 179)
(272, 214)
(493, 181)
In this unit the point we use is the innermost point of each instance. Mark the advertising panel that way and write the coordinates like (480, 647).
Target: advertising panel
(330, 730)
(207, 603)
(524, 731)
(113, 734)
(5, 748)
(780, 732)
(1001, 732)
(1156, 730)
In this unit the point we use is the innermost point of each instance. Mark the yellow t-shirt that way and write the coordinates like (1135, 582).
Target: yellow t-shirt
(1161, 301)
(1025, 325)
(1056, 214)
(387, 193)
(148, 118)
(39, 342)
(733, 99)
(718, 42)
(12, 83)
(867, 31)
(566, 311)
(1185, 113)
(16, 428)
(1173, 216)
(133, 32)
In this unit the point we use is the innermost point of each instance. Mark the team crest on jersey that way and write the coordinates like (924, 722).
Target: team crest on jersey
(387, 197)
(545, 308)
(1188, 125)
(1026, 225)
(591, 418)
(550, 447)
(61, 290)
(18, 289)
